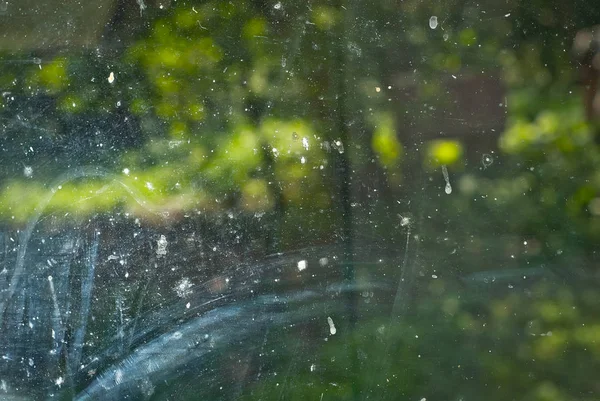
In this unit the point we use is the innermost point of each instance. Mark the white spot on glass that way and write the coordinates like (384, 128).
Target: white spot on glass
(183, 288)
(448, 187)
(433, 22)
(142, 6)
(161, 244)
(486, 160)
(332, 329)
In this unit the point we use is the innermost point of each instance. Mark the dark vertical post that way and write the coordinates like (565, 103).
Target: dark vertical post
(343, 167)
(344, 173)
(586, 49)
(273, 233)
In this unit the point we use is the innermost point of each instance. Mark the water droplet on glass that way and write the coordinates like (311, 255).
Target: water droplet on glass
(433, 22)
(486, 160)
(332, 329)
(448, 188)
(339, 146)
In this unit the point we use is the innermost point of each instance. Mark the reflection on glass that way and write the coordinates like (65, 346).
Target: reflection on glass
(276, 200)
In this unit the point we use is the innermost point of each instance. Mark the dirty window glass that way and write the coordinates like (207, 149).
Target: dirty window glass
(299, 200)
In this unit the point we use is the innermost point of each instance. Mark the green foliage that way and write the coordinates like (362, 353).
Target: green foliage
(452, 346)
(385, 141)
(241, 106)
(443, 152)
(564, 131)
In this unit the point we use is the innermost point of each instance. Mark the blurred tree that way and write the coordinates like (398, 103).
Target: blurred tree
(314, 115)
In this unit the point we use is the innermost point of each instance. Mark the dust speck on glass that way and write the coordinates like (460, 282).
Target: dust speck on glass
(322, 200)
